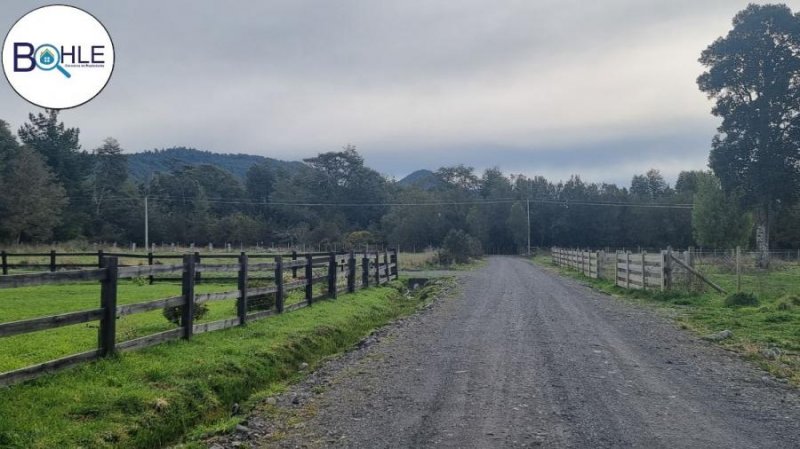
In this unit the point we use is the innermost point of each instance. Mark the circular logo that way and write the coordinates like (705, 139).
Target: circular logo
(58, 57)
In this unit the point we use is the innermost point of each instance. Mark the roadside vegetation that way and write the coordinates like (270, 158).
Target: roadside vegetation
(153, 397)
(765, 328)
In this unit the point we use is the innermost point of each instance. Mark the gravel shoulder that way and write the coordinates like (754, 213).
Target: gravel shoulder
(522, 357)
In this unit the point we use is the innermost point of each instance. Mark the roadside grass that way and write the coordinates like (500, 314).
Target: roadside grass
(153, 397)
(767, 334)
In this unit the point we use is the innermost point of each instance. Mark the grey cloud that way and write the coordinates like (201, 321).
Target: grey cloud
(600, 88)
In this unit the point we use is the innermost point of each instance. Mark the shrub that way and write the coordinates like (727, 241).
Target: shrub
(174, 314)
(741, 299)
(779, 317)
(459, 247)
(260, 302)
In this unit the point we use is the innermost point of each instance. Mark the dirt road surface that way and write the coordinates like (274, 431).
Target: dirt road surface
(524, 358)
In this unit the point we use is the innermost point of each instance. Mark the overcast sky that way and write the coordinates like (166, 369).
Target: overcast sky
(604, 89)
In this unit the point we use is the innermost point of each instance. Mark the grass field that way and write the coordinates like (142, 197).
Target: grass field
(768, 333)
(31, 302)
(155, 396)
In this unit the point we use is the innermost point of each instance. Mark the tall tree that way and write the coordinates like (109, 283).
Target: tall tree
(752, 75)
(61, 150)
(8, 145)
(31, 198)
(717, 219)
(109, 173)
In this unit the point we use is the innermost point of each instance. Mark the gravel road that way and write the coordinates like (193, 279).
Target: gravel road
(525, 358)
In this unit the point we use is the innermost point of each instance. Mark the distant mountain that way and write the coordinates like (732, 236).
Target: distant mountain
(142, 165)
(423, 179)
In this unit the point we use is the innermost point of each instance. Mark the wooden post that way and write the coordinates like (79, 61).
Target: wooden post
(644, 271)
(689, 259)
(150, 262)
(616, 267)
(108, 302)
(332, 275)
(396, 267)
(294, 269)
(187, 287)
(4, 261)
(242, 281)
(627, 269)
(386, 264)
(309, 279)
(738, 270)
(197, 262)
(365, 271)
(668, 269)
(100, 258)
(378, 269)
(52, 261)
(601, 256)
(662, 266)
(279, 284)
(351, 273)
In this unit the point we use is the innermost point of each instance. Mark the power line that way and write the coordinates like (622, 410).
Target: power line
(564, 203)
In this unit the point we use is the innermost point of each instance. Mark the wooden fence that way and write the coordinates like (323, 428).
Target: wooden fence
(58, 261)
(294, 272)
(641, 271)
(587, 262)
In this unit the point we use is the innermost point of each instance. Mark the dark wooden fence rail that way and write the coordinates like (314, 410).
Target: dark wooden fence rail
(110, 272)
(56, 261)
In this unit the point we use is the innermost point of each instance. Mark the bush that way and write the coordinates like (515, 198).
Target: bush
(174, 314)
(459, 247)
(741, 300)
(260, 302)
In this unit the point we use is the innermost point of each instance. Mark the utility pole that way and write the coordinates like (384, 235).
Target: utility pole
(146, 226)
(528, 201)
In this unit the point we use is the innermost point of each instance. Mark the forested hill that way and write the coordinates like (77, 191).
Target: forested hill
(142, 165)
(423, 179)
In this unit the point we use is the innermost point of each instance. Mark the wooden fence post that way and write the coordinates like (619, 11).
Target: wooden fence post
(662, 266)
(4, 261)
(99, 258)
(616, 267)
(365, 271)
(668, 269)
(332, 275)
(309, 279)
(52, 261)
(689, 259)
(242, 281)
(197, 262)
(396, 267)
(377, 269)
(644, 271)
(386, 264)
(279, 283)
(351, 272)
(187, 287)
(294, 269)
(150, 262)
(627, 269)
(601, 256)
(108, 302)
(738, 269)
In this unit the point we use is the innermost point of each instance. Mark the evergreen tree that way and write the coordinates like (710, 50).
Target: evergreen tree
(31, 198)
(752, 75)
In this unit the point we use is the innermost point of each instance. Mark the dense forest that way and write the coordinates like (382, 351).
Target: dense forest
(53, 190)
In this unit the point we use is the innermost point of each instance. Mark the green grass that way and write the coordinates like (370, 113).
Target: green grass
(155, 396)
(775, 322)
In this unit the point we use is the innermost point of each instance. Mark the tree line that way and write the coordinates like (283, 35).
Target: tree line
(53, 190)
